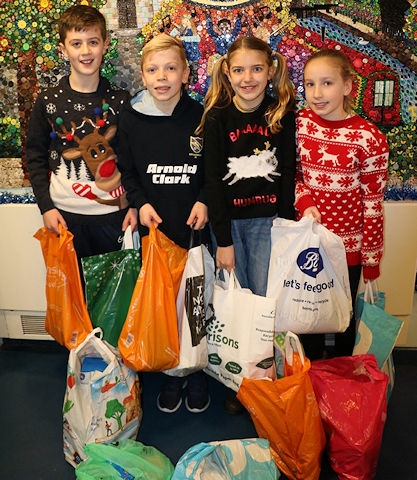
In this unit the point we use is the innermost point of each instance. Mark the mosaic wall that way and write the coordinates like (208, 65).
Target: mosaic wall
(380, 38)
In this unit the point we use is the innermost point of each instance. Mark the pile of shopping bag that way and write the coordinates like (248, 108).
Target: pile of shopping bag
(154, 306)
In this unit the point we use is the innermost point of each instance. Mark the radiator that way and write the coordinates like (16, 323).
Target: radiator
(23, 325)
(22, 274)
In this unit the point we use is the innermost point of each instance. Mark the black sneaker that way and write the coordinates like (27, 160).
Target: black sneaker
(170, 398)
(232, 405)
(198, 398)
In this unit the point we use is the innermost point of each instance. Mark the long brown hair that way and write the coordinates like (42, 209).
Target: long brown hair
(220, 92)
(339, 60)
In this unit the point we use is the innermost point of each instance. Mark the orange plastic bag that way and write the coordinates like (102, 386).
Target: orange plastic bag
(67, 319)
(149, 337)
(285, 412)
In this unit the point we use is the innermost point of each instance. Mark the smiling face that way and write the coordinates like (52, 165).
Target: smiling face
(325, 88)
(163, 74)
(85, 50)
(248, 74)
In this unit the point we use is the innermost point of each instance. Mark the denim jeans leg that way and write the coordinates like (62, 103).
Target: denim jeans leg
(252, 242)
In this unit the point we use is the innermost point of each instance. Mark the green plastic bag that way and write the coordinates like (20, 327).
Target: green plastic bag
(129, 460)
(109, 282)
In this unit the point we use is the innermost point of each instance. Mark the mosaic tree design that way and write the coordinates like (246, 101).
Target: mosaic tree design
(29, 46)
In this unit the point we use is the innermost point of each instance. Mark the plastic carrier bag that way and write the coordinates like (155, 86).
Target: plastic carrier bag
(102, 399)
(308, 276)
(128, 459)
(247, 459)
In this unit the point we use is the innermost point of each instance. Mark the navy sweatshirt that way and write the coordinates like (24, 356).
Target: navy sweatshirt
(161, 160)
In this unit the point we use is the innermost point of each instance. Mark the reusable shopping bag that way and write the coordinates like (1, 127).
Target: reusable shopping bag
(377, 330)
(109, 282)
(193, 304)
(351, 394)
(127, 459)
(102, 399)
(247, 459)
(285, 412)
(149, 337)
(67, 319)
(308, 276)
(240, 334)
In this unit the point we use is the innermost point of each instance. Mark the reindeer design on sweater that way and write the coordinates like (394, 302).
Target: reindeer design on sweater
(97, 153)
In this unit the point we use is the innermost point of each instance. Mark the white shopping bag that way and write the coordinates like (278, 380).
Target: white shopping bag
(308, 276)
(102, 399)
(193, 306)
(240, 336)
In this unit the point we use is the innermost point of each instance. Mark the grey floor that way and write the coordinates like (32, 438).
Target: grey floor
(32, 384)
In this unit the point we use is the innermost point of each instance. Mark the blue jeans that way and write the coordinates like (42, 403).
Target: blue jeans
(252, 244)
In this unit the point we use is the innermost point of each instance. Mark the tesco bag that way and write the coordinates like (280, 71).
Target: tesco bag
(308, 276)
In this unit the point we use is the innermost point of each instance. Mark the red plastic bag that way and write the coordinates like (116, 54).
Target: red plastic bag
(67, 319)
(149, 337)
(285, 412)
(352, 397)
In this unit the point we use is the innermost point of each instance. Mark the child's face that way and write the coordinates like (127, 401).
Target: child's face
(248, 74)
(85, 50)
(325, 88)
(163, 73)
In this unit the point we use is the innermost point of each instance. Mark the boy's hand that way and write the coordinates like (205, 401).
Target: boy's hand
(131, 218)
(198, 216)
(52, 219)
(147, 215)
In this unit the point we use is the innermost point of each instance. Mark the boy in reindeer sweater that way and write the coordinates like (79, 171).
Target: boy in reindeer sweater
(71, 142)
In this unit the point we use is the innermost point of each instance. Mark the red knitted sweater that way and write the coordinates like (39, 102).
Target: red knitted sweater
(342, 170)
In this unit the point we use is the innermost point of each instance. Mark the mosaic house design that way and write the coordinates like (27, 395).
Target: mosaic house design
(379, 37)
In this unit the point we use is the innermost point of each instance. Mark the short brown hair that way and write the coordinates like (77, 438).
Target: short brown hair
(81, 17)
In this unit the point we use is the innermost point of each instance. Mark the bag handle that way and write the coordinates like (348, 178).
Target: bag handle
(292, 344)
(130, 239)
(371, 291)
(230, 279)
(193, 242)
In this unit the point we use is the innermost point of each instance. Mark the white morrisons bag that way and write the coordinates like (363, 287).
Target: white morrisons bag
(240, 335)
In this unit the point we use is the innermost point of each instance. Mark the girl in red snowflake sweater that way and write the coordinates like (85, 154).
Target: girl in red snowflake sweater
(342, 164)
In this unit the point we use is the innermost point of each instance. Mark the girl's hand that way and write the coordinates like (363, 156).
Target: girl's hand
(52, 219)
(225, 258)
(131, 218)
(147, 215)
(314, 212)
(198, 216)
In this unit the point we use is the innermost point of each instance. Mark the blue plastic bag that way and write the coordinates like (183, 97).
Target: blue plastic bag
(246, 459)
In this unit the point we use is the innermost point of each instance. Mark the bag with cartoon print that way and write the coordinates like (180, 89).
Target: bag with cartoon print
(308, 276)
(102, 399)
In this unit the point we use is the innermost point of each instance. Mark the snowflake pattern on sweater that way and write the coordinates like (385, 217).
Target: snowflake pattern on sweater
(71, 149)
(342, 170)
